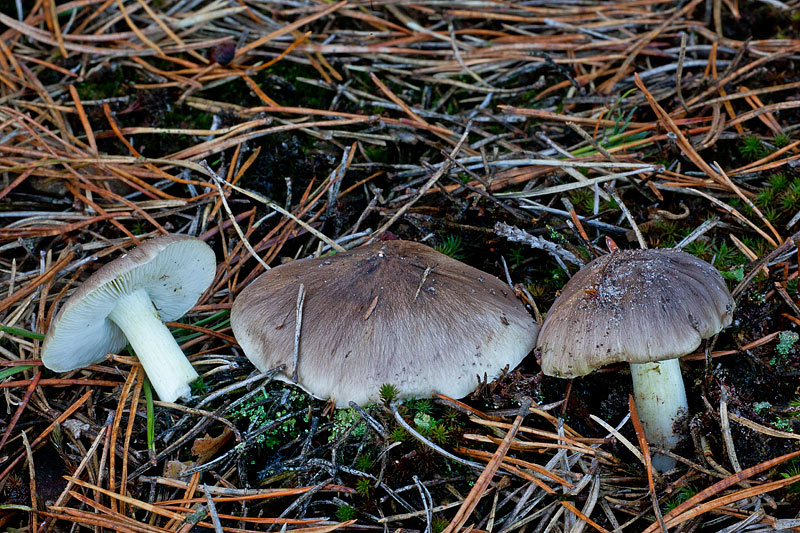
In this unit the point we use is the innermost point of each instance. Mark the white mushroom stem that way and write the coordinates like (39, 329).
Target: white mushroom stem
(165, 364)
(660, 401)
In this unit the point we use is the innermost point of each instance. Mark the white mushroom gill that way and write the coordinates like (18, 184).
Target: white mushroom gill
(660, 401)
(164, 363)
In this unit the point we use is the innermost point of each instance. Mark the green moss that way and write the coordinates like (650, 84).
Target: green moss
(398, 435)
(683, 494)
(766, 197)
(779, 181)
(786, 339)
(780, 140)
(280, 82)
(106, 84)
(388, 393)
(698, 248)
(515, 256)
(792, 470)
(345, 513)
(451, 246)
(257, 414)
(791, 287)
(751, 148)
(343, 420)
(363, 463)
(790, 199)
(583, 200)
(376, 154)
(363, 487)
(726, 256)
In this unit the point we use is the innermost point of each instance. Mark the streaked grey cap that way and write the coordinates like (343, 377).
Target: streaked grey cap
(394, 312)
(174, 270)
(636, 306)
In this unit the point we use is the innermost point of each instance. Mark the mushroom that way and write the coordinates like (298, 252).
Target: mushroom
(644, 307)
(393, 312)
(128, 300)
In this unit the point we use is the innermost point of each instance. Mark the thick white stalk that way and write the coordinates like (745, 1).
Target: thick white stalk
(165, 364)
(660, 401)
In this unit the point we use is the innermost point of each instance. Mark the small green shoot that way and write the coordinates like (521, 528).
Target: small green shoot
(699, 248)
(438, 433)
(515, 256)
(439, 524)
(793, 469)
(622, 121)
(398, 434)
(752, 148)
(198, 386)
(451, 246)
(780, 140)
(345, 513)
(583, 200)
(790, 199)
(766, 197)
(791, 286)
(363, 487)
(771, 214)
(14, 370)
(683, 494)
(536, 290)
(389, 393)
(778, 182)
(725, 256)
(138, 228)
(363, 463)
(24, 333)
(151, 416)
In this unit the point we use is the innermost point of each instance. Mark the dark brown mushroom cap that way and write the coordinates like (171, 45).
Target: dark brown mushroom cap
(636, 306)
(392, 312)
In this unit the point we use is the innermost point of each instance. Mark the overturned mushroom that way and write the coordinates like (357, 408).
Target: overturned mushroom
(392, 312)
(644, 307)
(128, 300)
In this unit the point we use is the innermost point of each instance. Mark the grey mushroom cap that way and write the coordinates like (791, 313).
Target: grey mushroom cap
(174, 270)
(394, 312)
(636, 306)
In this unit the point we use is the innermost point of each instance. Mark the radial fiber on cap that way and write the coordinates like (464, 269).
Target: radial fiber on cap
(393, 312)
(636, 306)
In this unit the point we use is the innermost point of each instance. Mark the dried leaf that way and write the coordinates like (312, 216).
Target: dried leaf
(206, 447)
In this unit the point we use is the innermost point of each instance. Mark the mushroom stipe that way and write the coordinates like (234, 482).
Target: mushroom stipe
(394, 312)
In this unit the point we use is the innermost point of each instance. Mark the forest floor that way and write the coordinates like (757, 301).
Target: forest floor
(513, 136)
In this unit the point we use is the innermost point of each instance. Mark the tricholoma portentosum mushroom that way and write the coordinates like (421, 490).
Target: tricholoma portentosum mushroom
(128, 300)
(394, 312)
(643, 307)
